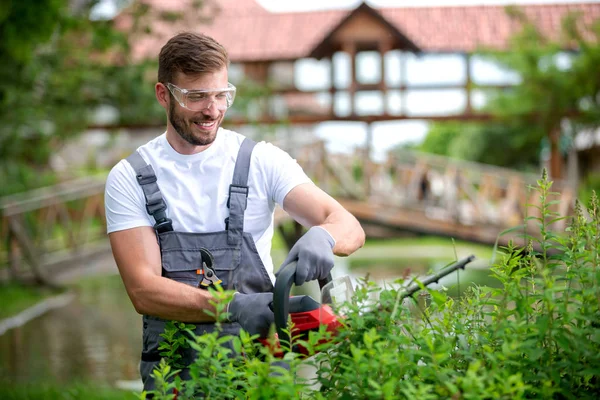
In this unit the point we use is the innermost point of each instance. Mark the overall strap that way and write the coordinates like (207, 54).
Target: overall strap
(238, 194)
(155, 204)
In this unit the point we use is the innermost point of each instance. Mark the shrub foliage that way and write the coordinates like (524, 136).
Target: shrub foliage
(536, 336)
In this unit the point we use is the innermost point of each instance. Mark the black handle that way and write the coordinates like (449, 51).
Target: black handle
(281, 297)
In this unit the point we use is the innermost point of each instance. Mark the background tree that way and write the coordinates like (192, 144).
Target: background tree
(58, 66)
(557, 88)
(492, 143)
(49, 82)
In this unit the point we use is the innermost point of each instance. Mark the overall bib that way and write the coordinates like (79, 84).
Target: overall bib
(235, 259)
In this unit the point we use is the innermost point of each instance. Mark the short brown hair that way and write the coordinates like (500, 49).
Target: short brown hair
(190, 53)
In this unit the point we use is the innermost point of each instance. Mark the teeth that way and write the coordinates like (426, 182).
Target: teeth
(205, 123)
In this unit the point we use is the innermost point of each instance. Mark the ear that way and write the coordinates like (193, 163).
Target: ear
(162, 95)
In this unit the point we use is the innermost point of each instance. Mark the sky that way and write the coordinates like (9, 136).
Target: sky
(344, 137)
(306, 5)
(107, 7)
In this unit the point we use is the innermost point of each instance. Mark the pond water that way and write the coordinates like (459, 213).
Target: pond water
(386, 272)
(97, 336)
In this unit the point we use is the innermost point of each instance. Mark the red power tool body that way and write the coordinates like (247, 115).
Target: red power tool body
(308, 315)
(305, 313)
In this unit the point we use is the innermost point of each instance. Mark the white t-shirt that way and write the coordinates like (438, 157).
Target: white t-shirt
(196, 188)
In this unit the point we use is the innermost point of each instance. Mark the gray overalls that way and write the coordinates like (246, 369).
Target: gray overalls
(235, 259)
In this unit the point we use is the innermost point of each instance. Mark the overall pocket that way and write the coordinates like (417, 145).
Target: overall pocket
(186, 266)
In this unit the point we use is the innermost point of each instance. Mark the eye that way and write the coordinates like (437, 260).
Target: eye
(222, 95)
(196, 96)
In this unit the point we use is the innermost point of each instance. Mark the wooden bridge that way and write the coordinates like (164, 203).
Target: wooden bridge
(48, 228)
(429, 194)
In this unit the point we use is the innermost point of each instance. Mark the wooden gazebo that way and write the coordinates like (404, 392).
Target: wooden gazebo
(260, 43)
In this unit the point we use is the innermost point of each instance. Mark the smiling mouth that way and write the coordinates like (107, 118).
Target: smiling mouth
(205, 124)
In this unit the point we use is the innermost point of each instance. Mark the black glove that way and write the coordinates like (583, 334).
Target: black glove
(314, 252)
(252, 311)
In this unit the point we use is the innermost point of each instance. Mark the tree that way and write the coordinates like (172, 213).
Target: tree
(49, 82)
(556, 86)
(491, 143)
(440, 137)
(551, 92)
(58, 66)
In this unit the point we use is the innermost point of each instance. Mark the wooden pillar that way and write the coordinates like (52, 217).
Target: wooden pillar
(350, 48)
(259, 72)
(332, 89)
(384, 47)
(403, 83)
(367, 165)
(468, 83)
(555, 157)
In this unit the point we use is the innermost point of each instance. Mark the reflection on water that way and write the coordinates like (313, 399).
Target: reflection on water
(97, 337)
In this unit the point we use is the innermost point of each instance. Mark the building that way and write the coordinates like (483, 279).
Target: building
(338, 46)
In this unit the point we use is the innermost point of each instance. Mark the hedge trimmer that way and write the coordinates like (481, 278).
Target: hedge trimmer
(307, 314)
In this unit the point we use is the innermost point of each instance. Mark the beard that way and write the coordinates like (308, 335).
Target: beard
(184, 128)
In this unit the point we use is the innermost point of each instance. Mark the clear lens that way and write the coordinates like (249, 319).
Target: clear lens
(199, 100)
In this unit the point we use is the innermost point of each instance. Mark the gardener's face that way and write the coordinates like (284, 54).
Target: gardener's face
(197, 128)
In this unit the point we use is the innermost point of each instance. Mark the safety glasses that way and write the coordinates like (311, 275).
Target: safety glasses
(199, 100)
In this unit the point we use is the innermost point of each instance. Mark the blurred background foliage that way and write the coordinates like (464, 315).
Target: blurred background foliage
(558, 91)
(48, 85)
(59, 66)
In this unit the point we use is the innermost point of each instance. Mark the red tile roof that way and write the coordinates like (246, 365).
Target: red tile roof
(251, 33)
(467, 28)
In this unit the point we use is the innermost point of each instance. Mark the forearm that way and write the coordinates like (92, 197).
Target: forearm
(346, 230)
(138, 258)
(168, 299)
(310, 206)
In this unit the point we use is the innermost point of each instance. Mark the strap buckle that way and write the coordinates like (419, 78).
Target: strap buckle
(144, 180)
(155, 208)
(164, 225)
(242, 189)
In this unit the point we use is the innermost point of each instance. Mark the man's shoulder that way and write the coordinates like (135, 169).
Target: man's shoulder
(234, 138)
(231, 138)
(262, 150)
(121, 172)
(124, 171)
(151, 146)
(269, 152)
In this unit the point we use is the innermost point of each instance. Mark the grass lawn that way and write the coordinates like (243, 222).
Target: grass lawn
(55, 392)
(16, 298)
(415, 248)
(403, 251)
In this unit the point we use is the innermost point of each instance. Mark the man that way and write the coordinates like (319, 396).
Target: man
(208, 196)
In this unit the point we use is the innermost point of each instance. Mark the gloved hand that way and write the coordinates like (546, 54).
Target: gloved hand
(314, 252)
(252, 311)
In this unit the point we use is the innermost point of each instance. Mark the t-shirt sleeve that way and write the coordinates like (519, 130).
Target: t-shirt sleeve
(124, 200)
(282, 172)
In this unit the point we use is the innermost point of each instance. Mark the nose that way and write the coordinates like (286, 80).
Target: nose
(211, 109)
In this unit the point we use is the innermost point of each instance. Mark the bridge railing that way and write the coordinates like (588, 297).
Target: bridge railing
(442, 188)
(43, 229)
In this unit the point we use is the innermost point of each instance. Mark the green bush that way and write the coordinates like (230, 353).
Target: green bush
(590, 184)
(536, 336)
